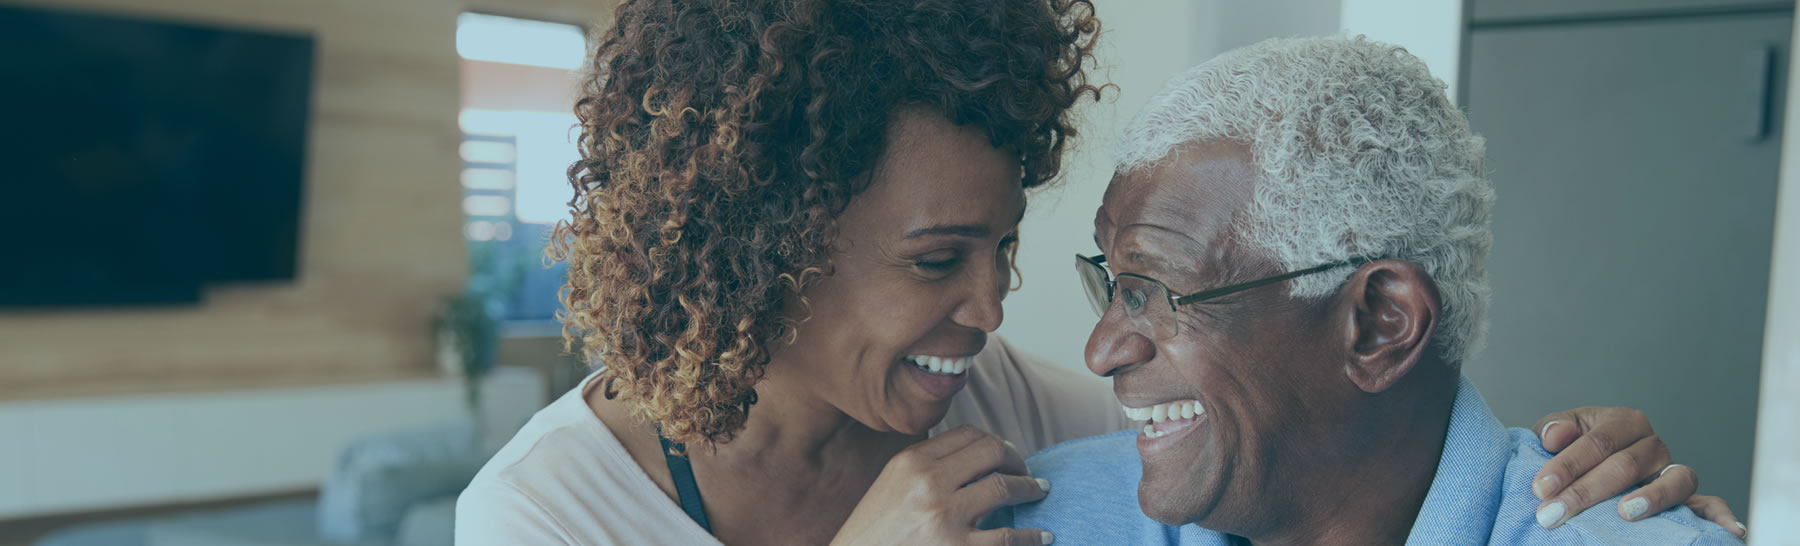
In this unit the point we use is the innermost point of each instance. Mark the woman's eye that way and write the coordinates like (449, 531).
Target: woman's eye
(937, 261)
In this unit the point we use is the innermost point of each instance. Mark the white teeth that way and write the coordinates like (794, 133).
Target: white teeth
(1151, 432)
(940, 365)
(1167, 411)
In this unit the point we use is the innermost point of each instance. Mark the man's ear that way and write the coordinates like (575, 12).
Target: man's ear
(1394, 308)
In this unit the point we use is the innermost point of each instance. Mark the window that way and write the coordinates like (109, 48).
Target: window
(518, 141)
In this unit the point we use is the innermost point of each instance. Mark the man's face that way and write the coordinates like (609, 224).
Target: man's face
(1252, 360)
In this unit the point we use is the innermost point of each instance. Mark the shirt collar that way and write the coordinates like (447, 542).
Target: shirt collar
(1465, 494)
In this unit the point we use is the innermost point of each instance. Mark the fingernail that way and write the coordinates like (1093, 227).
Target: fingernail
(1741, 527)
(1549, 516)
(1545, 486)
(1635, 508)
(1009, 445)
(1043, 484)
(1048, 539)
(1546, 432)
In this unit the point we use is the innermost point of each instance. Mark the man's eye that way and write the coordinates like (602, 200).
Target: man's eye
(1134, 299)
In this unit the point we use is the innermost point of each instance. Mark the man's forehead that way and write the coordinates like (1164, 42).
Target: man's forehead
(1195, 190)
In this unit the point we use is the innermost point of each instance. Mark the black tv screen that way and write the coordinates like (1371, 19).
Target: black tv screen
(142, 160)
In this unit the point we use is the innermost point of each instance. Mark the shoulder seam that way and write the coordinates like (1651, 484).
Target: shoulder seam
(537, 442)
(539, 505)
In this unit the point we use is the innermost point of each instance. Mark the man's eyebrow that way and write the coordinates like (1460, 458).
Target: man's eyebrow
(1153, 261)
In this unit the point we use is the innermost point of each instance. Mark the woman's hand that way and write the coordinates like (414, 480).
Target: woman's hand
(1601, 452)
(934, 491)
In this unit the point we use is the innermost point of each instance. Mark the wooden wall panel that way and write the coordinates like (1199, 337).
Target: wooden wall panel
(381, 240)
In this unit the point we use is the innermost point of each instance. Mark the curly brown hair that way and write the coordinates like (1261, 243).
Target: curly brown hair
(721, 138)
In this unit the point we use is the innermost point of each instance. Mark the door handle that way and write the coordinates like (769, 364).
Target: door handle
(1762, 67)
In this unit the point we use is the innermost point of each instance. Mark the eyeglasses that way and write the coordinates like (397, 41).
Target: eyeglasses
(1139, 293)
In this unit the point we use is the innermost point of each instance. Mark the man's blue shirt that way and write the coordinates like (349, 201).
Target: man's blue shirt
(1481, 494)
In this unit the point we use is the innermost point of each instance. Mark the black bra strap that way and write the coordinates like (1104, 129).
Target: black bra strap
(682, 471)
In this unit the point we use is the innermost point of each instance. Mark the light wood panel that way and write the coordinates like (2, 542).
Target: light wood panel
(381, 239)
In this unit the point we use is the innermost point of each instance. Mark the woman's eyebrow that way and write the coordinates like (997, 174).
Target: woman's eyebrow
(973, 231)
(960, 230)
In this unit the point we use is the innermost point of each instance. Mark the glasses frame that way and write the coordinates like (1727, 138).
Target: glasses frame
(1098, 263)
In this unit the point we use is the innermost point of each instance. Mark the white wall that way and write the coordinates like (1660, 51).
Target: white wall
(1236, 23)
(1429, 29)
(1775, 474)
(80, 454)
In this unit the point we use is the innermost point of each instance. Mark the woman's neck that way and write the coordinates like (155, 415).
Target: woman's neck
(796, 470)
(791, 423)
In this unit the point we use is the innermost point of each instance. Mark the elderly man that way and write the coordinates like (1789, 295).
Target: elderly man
(1297, 237)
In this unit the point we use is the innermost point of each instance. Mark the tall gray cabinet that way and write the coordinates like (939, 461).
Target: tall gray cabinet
(1633, 145)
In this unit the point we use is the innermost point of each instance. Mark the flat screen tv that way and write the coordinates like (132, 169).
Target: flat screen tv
(143, 160)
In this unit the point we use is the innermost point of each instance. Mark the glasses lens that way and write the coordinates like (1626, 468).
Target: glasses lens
(1094, 281)
(1147, 303)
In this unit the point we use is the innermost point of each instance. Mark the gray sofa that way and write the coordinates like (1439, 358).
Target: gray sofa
(392, 488)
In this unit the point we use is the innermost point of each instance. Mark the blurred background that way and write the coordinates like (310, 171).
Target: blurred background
(274, 272)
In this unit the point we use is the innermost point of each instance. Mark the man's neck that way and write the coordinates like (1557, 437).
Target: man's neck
(1369, 487)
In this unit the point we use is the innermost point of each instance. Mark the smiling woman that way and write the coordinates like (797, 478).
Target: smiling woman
(703, 201)
(917, 277)
(792, 228)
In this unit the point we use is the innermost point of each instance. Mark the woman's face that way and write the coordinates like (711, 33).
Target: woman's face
(922, 262)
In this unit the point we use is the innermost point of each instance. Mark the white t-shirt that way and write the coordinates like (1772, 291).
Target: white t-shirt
(564, 478)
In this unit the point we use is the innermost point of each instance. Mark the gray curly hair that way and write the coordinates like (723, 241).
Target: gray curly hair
(1361, 155)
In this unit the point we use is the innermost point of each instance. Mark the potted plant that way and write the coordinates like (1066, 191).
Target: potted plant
(467, 324)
